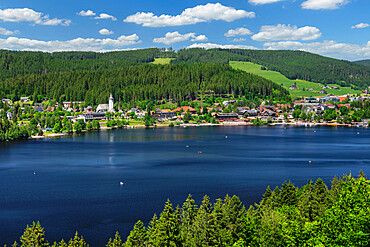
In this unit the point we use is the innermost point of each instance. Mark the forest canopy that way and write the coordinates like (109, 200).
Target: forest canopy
(177, 82)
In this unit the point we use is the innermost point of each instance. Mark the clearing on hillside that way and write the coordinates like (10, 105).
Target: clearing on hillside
(162, 60)
(303, 86)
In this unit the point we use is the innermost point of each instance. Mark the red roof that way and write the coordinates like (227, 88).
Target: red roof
(184, 108)
(342, 98)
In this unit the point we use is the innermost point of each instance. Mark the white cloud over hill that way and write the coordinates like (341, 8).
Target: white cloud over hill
(174, 37)
(286, 32)
(200, 13)
(78, 44)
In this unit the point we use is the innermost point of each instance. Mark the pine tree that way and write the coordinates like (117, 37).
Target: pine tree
(202, 231)
(166, 231)
(288, 194)
(116, 242)
(188, 214)
(138, 236)
(34, 236)
(77, 241)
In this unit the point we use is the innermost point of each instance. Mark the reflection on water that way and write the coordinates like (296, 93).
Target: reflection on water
(76, 181)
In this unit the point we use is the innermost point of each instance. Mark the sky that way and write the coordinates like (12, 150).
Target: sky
(333, 28)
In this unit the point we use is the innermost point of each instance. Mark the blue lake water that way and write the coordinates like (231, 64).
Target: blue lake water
(76, 181)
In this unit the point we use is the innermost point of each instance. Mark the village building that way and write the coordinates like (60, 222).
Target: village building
(6, 101)
(185, 109)
(226, 116)
(292, 87)
(25, 99)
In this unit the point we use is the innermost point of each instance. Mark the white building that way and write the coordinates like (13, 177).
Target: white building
(106, 107)
(111, 102)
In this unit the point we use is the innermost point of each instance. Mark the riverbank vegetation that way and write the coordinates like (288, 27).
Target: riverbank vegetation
(311, 215)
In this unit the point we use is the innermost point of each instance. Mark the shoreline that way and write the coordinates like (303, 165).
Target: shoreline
(224, 124)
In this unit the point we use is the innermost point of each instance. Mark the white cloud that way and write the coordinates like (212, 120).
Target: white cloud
(106, 16)
(323, 4)
(200, 38)
(256, 2)
(238, 32)
(212, 46)
(200, 13)
(78, 44)
(327, 48)
(29, 15)
(86, 13)
(105, 31)
(238, 40)
(7, 32)
(361, 25)
(286, 32)
(175, 37)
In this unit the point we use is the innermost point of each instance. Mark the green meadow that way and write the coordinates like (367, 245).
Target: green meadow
(302, 85)
(162, 61)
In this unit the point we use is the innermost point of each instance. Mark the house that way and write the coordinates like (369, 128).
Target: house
(251, 113)
(38, 108)
(6, 101)
(226, 116)
(89, 108)
(185, 109)
(268, 113)
(9, 115)
(164, 115)
(92, 116)
(25, 99)
(311, 99)
(267, 107)
(335, 87)
(228, 102)
(292, 87)
(323, 92)
(311, 90)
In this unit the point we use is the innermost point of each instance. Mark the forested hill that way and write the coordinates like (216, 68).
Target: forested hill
(141, 82)
(363, 62)
(292, 64)
(18, 63)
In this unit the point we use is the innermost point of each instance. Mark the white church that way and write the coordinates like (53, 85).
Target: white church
(106, 107)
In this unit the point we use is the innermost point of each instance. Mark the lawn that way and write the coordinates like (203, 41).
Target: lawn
(285, 82)
(162, 61)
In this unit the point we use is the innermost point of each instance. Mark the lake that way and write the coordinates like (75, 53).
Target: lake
(73, 183)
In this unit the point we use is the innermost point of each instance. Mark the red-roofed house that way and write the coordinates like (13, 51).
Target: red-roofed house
(185, 109)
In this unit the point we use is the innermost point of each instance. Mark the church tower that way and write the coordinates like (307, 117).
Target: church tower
(111, 103)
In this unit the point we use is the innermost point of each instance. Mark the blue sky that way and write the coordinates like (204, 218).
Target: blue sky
(334, 28)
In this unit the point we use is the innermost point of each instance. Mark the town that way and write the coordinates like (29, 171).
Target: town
(52, 118)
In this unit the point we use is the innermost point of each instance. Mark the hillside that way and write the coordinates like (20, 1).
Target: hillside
(363, 62)
(18, 63)
(303, 86)
(144, 82)
(292, 64)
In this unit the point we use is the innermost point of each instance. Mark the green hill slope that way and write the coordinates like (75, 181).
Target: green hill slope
(292, 64)
(280, 79)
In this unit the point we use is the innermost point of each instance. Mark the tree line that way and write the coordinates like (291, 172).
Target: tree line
(132, 83)
(18, 63)
(292, 64)
(312, 215)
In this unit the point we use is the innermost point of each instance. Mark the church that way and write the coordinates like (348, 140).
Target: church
(106, 107)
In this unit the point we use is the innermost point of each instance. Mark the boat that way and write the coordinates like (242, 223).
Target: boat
(121, 183)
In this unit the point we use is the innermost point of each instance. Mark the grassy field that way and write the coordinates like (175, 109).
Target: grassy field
(285, 82)
(162, 61)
